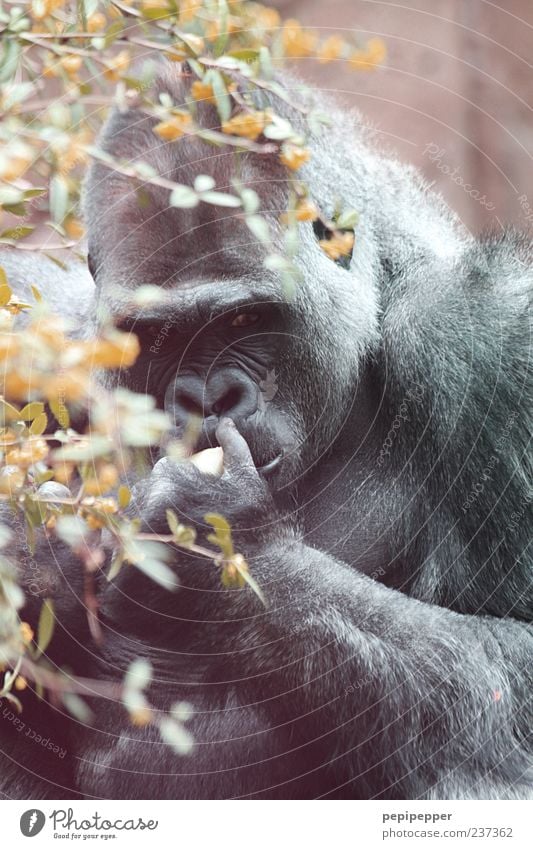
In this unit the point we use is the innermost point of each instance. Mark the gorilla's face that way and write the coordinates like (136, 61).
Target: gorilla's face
(218, 350)
(230, 338)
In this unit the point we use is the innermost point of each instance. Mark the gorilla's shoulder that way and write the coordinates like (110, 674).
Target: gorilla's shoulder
(67, 287)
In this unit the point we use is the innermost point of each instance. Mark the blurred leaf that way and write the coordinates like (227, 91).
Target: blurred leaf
(250, 201)
(5, 293)
(116, 565)
(31, 411)
(176, 736)
(149, 557)
(347, 220)
(55, 260)
(114, 31)
(222, 533)
(96, 446)
(71, 530)
(9, 57)
(183, 535)
(33, 193)
(13, 700)
(59, 198)
(8, 413)
(318, 120)
(221, 199)
(259, 227)
(78, 708)
(158, 572)
(60, 412)
(35, 512)
(265, 63)
(38, 425)
(46, 626)
(220, 91)
(184, 197)
(148, 295)
(138, 675)
(172, 521)
(124, 497)
(279, 129)
(245, 54)
(204, 183)
(15, 233)
(182, 711)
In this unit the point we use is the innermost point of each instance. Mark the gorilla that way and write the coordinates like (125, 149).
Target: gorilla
(375, 424)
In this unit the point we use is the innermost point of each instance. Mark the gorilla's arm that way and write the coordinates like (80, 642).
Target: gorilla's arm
(341, 686)
(425, 702)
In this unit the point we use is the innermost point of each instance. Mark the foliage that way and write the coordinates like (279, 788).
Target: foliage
(62, 65)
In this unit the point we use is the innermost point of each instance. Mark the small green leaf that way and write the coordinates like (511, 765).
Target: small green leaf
(8, 413)
(220, 91)
(172, 521)
(38, 425)
(45, 628)
(31, 411)
(60, 412)
(222, 533)
(124, 496)
(116, 565)
(5, 294)
(15, 233)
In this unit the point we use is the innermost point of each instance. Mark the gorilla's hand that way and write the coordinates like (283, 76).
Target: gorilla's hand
(239, 494)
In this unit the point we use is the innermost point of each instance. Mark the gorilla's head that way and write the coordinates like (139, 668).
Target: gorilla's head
(230, 339)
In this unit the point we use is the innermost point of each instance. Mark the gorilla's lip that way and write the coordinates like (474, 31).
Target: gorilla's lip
(267, 468)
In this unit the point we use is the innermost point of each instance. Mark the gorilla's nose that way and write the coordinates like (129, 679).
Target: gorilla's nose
(226, 393)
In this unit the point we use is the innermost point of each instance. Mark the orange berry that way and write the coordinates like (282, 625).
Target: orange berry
(294, 156)
(96, 22)
(71, 64)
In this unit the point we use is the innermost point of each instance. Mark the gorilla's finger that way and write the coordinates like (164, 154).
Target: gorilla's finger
(237, 455)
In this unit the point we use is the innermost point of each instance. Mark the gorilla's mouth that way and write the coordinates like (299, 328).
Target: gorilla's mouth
(265, 462)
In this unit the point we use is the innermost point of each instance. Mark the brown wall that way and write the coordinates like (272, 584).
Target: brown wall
(459, 76)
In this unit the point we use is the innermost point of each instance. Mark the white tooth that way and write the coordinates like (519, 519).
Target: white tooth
(210, 461)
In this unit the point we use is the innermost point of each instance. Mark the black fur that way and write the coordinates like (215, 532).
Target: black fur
(392, 541)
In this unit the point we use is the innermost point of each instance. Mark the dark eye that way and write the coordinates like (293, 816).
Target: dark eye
(245, 319)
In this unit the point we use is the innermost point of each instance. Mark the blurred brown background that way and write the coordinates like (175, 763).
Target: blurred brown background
(459, 78)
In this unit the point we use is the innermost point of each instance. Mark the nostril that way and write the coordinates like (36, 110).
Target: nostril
(188, 403)
(228, 401)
